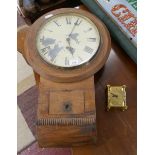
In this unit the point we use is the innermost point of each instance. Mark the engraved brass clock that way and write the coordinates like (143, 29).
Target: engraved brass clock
(65, 48)
(116, 97)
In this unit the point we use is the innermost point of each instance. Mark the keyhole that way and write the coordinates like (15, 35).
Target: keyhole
(67, 106)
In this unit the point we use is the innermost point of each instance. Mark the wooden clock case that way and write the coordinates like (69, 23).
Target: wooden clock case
(66, 114)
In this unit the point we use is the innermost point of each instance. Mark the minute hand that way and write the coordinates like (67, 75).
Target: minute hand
(76, 23)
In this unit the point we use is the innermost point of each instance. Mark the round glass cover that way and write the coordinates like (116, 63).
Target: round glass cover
(68, 40)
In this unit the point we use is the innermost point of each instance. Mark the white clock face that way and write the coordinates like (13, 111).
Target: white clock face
(68, 40)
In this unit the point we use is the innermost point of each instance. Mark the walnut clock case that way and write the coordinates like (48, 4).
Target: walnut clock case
(65, 48)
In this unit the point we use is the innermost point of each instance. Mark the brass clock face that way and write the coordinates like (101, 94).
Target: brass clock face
(68, 40)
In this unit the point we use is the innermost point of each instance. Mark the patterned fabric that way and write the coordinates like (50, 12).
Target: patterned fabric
(27, 144)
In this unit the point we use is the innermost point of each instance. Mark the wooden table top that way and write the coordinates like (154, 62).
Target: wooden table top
(117, 130)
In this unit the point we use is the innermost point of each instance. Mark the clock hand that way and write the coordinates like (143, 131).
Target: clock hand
(76, 23)
(114, 95)
(73, 37)
(72, 30)
(71, 49)
(68, 41)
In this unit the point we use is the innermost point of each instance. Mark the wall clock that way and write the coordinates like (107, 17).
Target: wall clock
(65, 48)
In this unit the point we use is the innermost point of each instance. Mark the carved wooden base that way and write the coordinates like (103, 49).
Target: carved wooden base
(66, 113)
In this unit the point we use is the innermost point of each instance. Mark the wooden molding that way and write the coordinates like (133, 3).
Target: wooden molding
(67, 121)
(21, 35)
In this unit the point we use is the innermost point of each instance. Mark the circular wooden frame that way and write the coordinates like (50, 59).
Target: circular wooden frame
(66, 75)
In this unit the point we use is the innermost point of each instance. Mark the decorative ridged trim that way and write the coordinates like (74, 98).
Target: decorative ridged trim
(66, 121)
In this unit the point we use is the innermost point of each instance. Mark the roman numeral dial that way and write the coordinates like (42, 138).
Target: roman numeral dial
(88, 49)
(56, 23)
(91, 39)
(68, 40)
(68, 20)
(78, 22)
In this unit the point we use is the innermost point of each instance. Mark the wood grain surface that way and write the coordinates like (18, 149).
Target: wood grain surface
(117, 130)
(66, 113)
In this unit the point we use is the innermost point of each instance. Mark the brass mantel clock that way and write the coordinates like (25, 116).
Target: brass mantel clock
(65, 48)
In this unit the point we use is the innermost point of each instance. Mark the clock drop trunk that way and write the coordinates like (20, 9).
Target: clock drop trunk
(66, 113)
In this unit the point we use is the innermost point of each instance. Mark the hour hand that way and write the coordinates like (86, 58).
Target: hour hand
(114, 95)
(70, 49)
(68, 40)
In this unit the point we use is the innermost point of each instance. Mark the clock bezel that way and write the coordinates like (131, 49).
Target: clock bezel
(59, 74)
